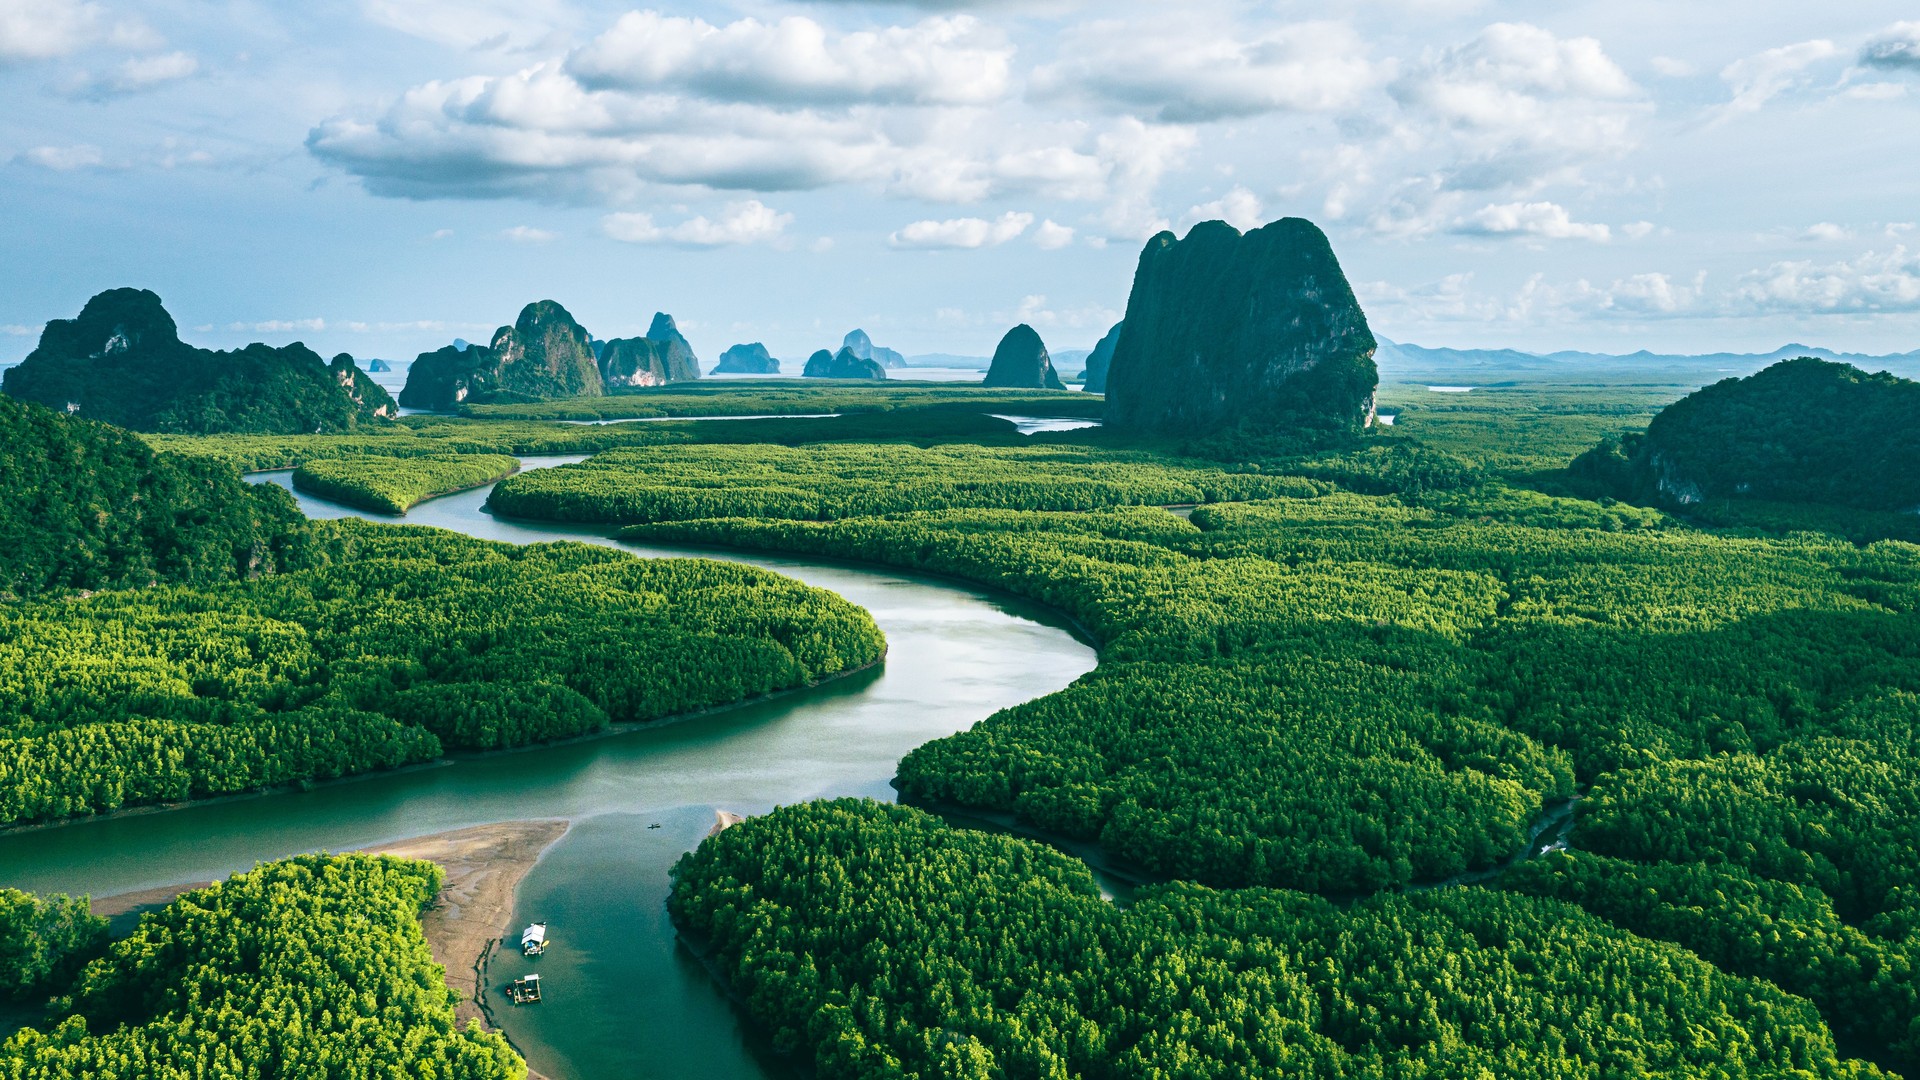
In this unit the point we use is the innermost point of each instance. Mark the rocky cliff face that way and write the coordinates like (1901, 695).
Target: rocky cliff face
(751, 359)
(122, 361)
(1101, 359)
(863, 347)
(842, 365)
(377, 366)
(1022, 362)
(682, 364)
(1225, 329)
(545, 354)
(632, 362)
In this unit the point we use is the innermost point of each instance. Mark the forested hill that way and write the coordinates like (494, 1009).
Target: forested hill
(1802, 431)
(122, 361)
(89, 506)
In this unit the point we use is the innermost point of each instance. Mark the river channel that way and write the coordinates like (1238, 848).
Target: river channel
(623, 999)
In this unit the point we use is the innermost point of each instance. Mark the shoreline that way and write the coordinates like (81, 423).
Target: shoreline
(464, 924)
(630, 727)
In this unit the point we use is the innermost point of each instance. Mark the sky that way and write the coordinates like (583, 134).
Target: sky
(380, 176)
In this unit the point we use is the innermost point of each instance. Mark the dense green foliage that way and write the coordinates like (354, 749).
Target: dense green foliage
(88, 506)
(544, 354)
(311, 967)
(756, 397)
(1801, 431)
(392, 485)
(876, 942)
(1865, 981)
(122, 362)
(840, 481)
(44, 942)
(411, 641)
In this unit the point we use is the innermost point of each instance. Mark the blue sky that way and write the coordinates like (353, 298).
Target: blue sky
(378, 176)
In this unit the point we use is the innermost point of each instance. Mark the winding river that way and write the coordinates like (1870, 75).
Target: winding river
(623, 1000)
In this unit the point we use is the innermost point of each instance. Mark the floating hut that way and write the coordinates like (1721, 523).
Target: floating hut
(533, 940)
(525, 990)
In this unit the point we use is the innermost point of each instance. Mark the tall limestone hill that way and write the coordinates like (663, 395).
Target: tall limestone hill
(1803, 430)
(85, 505)
(545, 354)
(1100, 360)
(1225, 330)
(863, 347)
(842, 365)
(122, 362)
(1021, 361)
(662, 357)
(751, 359)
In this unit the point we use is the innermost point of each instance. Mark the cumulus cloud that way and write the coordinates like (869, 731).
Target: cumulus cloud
(739, 223)
(1516, 100)
(527, 234)
(64, 158)
(1542, 219)
(46, 29)
(1758, 79)
(970, 232)
(1052, 236)
(1239, 208)
(1186, 70)
(1825, 232)
(952, 60)
(1897, 48)
(1874, 282)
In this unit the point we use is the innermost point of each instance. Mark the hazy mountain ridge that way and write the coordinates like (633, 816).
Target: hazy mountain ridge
(1405, 362)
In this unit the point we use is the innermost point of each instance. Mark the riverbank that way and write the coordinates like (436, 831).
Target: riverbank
(465, 923)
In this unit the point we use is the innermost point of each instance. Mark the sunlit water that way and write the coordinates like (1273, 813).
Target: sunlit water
(622, 998)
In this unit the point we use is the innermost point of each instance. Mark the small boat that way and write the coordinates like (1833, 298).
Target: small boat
(533, 940)
(525, 990)
(655, 825)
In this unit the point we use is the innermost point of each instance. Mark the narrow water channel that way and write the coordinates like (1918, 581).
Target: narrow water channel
(622, 1000)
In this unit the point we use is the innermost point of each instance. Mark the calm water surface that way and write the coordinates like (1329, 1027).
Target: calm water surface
(623, 999)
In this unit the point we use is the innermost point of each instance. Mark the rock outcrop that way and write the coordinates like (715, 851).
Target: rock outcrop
(1802, 431)
(1101, 358)
(864, 348)
(751, 359)
(377, 366)
(122, 361)
(842, 365)
(662, 357)
(545, 354)
(682, 364)
(1225, 330)
(1021, 362)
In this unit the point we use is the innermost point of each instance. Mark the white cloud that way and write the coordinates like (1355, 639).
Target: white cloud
(748, 222)
(1052, 236)
(16, 330)
(1239, 208)
(1874, 282)
(1825, 232)
(440, 234)
(1876, 91)
(1543, 219)
(45, 29)
(1637, 230)
(1758, 79)
(136, 74)
(1035, 311)
(947, 60)
(65, 158)
(1137, 157)
(1897, 48)
(969, 232)
(527, 234)
(1188, 69)
(1671, 67)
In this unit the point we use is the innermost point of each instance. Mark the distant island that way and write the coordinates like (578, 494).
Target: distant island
(1021, 362)
(751, 359)
(547, 354)
(842, 365)
(122, 362)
